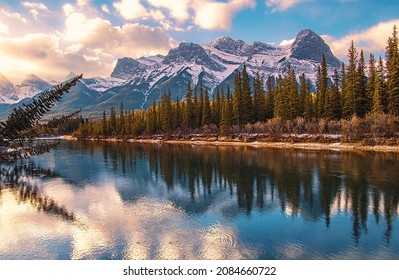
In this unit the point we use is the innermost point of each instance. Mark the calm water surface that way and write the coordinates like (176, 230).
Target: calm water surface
(88, 200)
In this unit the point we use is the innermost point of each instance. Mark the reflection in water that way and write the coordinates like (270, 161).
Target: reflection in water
(160, 201)
(312, 184)
(14, 178)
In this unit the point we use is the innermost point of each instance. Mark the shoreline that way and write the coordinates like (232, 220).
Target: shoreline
(282, 145)
(333, 146)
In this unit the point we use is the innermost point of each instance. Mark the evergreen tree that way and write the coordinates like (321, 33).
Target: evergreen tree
(291, 87)
(237, 100)
(343, 88)
(177, 115)
(360, 87)
(247, 108)
(151, 118)
(259, 109)
(217, 108)
(121, 129)
(104, 124)
(383, 85)
(377, 107)
(165, 113)
(303, 96)
(371, 81)
(335, 99)
(188, 108)
(227, 112)
(392, 61)
(349, 104)
(279, 108)
(112, 124)
(269, 98)
(206, 110)
(322, 91)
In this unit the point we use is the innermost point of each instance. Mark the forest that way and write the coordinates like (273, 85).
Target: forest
(359, 101)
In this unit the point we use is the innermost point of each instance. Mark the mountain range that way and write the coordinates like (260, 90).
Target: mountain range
(137, 82)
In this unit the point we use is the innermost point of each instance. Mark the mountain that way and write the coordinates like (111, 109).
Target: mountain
(31, 86)
(7, 91)
(137, 82)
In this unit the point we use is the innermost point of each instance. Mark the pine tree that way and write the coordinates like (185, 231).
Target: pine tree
(121, 129)
(291, 87)
(112, 124)
(217, 108)
(227, 112)
(206, 110)
(165, 113)
(360, 87)
(237, 100)
(279, 108)
(247, 110)
(188, 108)
(303, 95)
(269, 98)
(343, 88)
(177, 115)
(104, 124)
(259, 109)
(322, 91)
(335, 99)
(371, 81)
(349, 104)
(392, 60)
(151, 118)
(383, 85)
(377, 107)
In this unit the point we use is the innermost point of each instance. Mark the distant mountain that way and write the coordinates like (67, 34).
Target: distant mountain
(31, 86)
(137, 82)
(7, 91)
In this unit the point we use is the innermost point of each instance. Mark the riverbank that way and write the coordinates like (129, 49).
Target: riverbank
(313, 142)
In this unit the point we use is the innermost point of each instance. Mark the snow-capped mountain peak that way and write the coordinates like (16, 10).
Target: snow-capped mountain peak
(138, 81)
(7, 91)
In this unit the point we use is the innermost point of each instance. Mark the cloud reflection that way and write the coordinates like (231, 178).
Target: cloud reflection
(110, 228)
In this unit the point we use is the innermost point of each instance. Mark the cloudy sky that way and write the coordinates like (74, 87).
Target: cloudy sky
(51, 38)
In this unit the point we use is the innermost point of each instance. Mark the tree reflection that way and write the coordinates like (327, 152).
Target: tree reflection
(16, 178)
(315, 185)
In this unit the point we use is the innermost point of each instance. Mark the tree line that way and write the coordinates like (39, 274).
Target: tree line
(355, 91)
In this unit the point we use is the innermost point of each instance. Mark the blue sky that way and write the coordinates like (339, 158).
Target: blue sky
(51, 38)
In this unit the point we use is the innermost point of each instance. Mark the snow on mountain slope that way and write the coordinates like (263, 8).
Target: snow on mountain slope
(31, 86)
(7, 91)
(102, 84)
(147, 78)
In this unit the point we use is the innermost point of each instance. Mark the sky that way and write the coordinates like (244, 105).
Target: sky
(53, 38)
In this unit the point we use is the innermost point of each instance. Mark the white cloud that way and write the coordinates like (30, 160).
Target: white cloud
(13, 15)
(287, 42)
(212, 15)
(105, 8)
(282, 5)
(35, 8)
(371, 40)
(179, 15)
(178, 9)
(87, 44)
(131, 9)
(4, 28)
